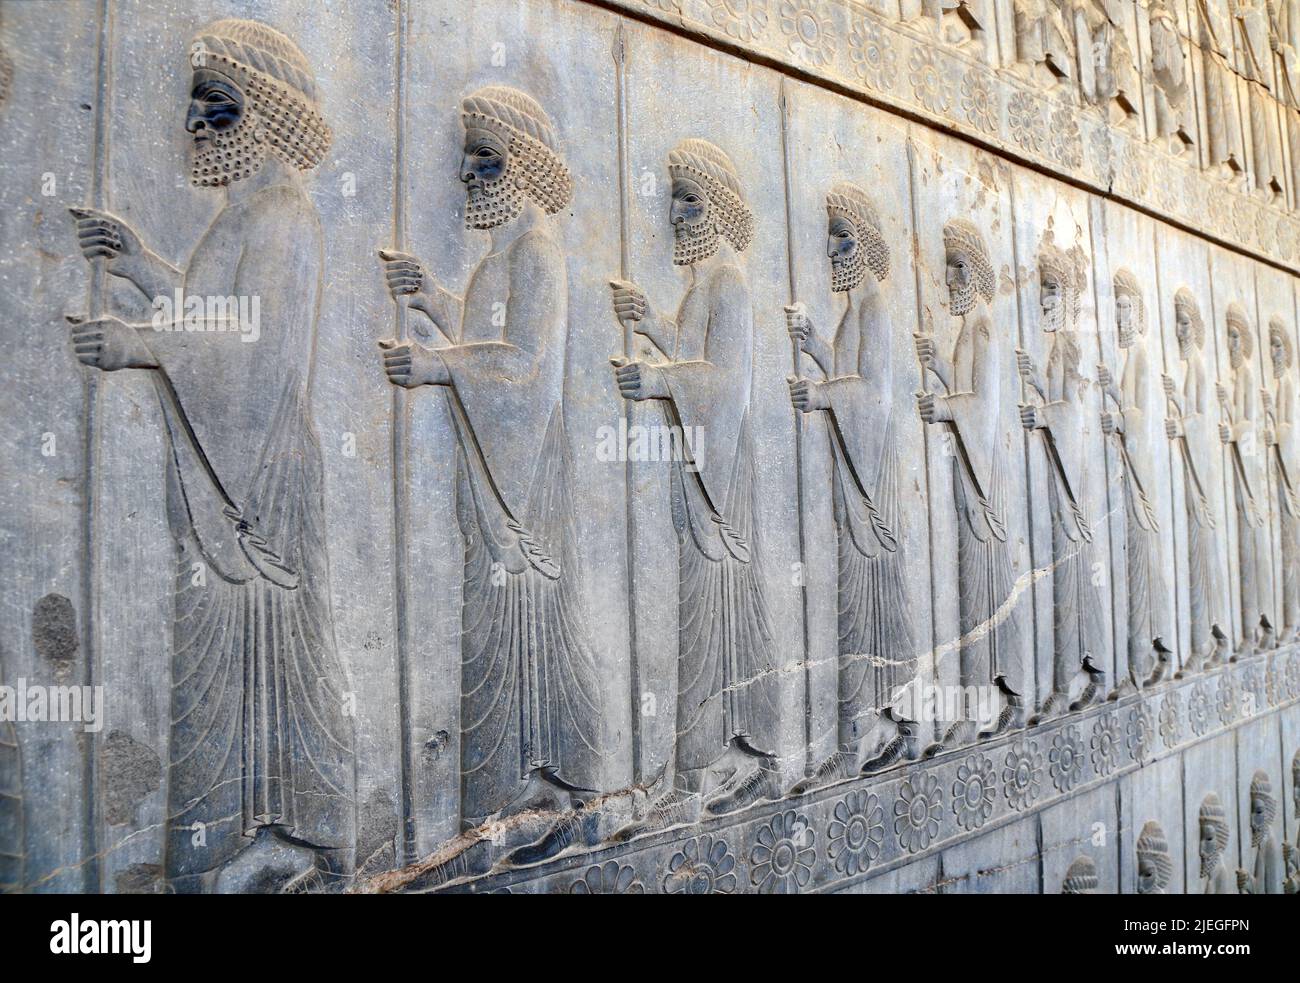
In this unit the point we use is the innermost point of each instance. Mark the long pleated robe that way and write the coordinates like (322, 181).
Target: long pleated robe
(989, 642)
(259, 727)
(1196, 502)
(1076, 606)
(1282, 459)
(1254, 580)
(1144, 584)
(726, 683)
(530, 697)
(877, 654)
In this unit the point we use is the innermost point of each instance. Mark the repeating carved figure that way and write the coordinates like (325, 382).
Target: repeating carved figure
(1238, 431)
(960, 23)
(1108, 76)
(1173, 120)
(259, 788)
(969, 410)
(1080, 877)
(1280, 436)
(875, 628)
(1078, 634)
(530, 704)
(1155, 868)
(1286, 62)
(1214, 833)
(727, 710)
(1269, 872)
(1253, 32)
(1127, 422)
(1044, 42)
(1225, 156)
(1185, 425)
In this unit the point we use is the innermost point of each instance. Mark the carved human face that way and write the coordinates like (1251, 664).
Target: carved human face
(1277, 353)
(695, 236)
(1051, 298)
(1124, 319)
(1208, 846)
(1234, 343)
(848, 265)
(960, 279)
(1147, 874)
(1260, 816)
(1184, 330)
(492, 197)
(227, 143)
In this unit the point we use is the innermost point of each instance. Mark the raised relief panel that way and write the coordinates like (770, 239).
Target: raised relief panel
(853, 307)
(966, 341)
(1141, 493)
(1254, 34)
(1191, 426)
(717, 529)
(1261, 791)
(1170, 72)
(1240, 420)
(1082, 829)
(1275, 315)
(1059, 408)
(521, 694)
(1210, 833)
(259, 780)
(1224, 151)
(1151, 838)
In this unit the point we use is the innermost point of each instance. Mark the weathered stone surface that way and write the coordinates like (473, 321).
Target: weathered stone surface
(650, 447)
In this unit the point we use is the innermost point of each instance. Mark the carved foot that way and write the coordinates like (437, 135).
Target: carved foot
(757, 785)
(960, 734)
(581, 828)
(836, 768)
(677, 808)
(1054, 706)
(1164, 661)
(1011, 718)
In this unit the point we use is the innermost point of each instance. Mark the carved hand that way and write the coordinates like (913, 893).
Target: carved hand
(406, 277)
(639, 380)
(1225, 433)
(409, 364)
(1266, 401)
(629, 302)
(1270, 437)
(1030, 418)
(934, 408)
(1112, 423)
(806, 395)
(798, 325)
(102, 234)
(925, 350)
(1173, 428)
(1244, 882)
(109, 344)
(1171, 389)
(1104, 378)
(1220, 392)
(1028, 371)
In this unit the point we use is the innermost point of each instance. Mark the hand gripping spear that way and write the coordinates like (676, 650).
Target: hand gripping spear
(619, 53)
(796, 356)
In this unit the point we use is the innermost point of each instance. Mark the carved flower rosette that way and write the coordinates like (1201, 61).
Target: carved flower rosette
(1022, 774)
(781, 861)
(1065, 758)
(704, 865)
(973, 792)
(856, 832)
(918, 812)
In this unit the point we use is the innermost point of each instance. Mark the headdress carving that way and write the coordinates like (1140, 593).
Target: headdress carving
(1154, 849)
(519, 120)
(705, 163)
(1081, 877)
(1276, 329)
(1236, 317)
(1184, 301)
(1126, 284)
(850, 202)
(1212, 814)
(961, 234)
(1262, 789)
(275, 76)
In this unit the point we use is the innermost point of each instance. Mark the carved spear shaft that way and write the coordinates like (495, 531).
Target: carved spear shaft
(796, 358)
(619, 52)
(401, 466)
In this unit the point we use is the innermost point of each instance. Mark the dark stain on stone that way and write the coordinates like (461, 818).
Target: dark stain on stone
(131, 771)
(435, 745)
(54, 633)
(141, 879)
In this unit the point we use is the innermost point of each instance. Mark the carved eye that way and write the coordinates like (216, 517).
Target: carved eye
(485, 153)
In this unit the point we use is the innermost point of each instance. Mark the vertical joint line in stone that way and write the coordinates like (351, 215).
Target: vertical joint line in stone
(1169, 447)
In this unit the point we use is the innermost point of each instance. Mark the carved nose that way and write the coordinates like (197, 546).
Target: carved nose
(194, 122)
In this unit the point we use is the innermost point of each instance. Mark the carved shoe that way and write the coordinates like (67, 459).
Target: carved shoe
(961, 733)
(579, 828)
(836, 768)
(677, 808)
(758, 784)
(1163, 656)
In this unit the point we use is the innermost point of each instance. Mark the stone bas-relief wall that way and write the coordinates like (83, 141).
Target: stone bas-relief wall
(549, 447)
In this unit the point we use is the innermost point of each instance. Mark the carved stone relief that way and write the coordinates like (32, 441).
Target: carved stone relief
(623, 481)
